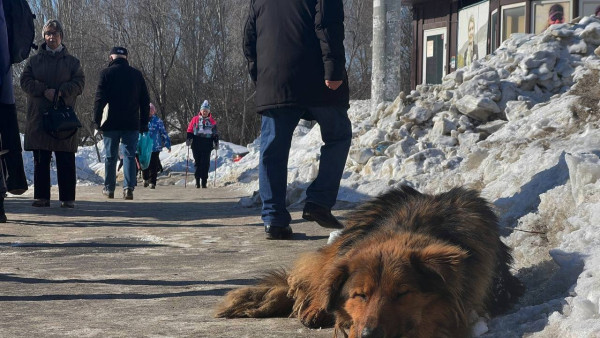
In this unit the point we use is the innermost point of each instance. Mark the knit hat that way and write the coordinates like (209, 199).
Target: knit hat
(152, 108)
(597, 11)
(556, 12)
(118, 51)
(205, 105)
(55, 24)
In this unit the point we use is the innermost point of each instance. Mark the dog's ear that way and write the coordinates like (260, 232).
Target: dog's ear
(440, 261)
(333, 282)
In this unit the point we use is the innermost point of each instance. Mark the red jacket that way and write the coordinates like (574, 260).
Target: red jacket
(202, 126)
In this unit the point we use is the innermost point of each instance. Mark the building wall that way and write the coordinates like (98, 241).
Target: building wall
(430, 14)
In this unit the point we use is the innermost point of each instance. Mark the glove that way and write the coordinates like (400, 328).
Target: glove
(188, 142)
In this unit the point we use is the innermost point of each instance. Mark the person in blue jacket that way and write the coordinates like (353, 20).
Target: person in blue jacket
(160, 139)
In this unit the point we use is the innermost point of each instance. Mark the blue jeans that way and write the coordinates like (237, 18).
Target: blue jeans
(128, 140)
(275, 140)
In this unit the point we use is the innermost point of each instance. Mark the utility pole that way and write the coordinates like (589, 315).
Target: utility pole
(392, 42)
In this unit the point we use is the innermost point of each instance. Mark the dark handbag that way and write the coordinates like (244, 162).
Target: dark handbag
(60, 120)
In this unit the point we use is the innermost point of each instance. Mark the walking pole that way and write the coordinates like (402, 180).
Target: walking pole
(215, 178)
(187, 161)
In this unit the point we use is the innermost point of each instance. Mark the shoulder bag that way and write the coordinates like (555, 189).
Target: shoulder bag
(60, 120)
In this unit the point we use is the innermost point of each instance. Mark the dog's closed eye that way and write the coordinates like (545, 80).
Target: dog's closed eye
(401, 294)
(360, 296)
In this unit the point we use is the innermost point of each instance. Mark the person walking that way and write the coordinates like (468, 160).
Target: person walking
(51, 71)
(124, 89)
(202, 135)
(12, 173)
(296, 58)
(160, 138)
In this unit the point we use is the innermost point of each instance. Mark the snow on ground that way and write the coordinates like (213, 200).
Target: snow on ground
(520, 125)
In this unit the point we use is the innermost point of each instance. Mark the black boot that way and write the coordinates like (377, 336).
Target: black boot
(197, 183)
(2, 213)
(204, 183)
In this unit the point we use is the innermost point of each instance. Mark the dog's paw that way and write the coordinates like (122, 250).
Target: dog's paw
(315, 317)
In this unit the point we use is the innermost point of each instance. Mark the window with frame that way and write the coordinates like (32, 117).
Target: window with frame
(513, 20)
(494, 31)
(588, 7)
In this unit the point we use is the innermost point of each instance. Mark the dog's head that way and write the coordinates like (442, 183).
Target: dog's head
(398, 286)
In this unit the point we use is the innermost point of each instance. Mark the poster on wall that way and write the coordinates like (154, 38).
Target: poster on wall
(589, 7)
(472, 33)
(546, 13)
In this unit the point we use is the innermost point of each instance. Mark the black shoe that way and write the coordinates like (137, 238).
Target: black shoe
(146, 183)
(197, 183)
(40, 203)
(274, 232)
(128, 194)
(321, 215)
(109, 194)
(152, 186)
(67, 204)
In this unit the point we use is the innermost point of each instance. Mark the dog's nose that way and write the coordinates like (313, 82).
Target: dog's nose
(371, 332)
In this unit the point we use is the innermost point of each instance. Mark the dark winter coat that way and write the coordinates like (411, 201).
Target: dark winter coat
(124, 89)
(48, 70)
(292, 47)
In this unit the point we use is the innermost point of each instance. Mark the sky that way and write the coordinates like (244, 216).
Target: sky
(520, 126)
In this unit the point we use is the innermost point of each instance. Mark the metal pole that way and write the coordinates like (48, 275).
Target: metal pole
(215, 178)
(187, 163)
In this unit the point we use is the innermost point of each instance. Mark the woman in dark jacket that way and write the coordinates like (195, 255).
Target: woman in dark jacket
(51, 69)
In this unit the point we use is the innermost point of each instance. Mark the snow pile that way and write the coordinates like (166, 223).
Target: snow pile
(521, 126)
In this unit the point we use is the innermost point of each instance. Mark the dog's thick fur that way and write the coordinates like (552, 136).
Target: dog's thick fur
(406, 265)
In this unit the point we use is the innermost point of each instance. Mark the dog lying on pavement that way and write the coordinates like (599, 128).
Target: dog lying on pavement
(406, 265)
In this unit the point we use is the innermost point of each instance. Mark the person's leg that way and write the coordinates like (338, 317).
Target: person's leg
(146, 175)
(3, 218)
(129, 140)
(277, 129)
(196, 152)
(153, 167)
(66, 175)
(206, 148)
(2, 193)
(336, 133)
(41, 174)
(111, 150)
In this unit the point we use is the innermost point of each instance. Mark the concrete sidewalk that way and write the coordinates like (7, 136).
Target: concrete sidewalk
(152, 267)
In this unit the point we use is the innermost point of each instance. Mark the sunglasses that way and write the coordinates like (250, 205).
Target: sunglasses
(49, 33)
(556, 17)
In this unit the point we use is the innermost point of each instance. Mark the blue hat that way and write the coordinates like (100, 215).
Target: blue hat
(205, 105)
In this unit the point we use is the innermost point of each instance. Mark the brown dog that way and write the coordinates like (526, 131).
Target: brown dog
(406, 265)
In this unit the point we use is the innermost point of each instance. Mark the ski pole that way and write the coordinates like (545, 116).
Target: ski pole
(215, 178)
(187, 163)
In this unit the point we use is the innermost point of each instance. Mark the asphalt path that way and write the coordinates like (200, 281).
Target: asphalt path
(155, 266)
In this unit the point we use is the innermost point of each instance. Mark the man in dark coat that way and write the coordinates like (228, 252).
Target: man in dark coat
(124, 90)
(296, 58)
(12, 174)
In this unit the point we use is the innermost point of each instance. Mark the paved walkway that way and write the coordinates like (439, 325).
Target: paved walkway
(152, 267)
